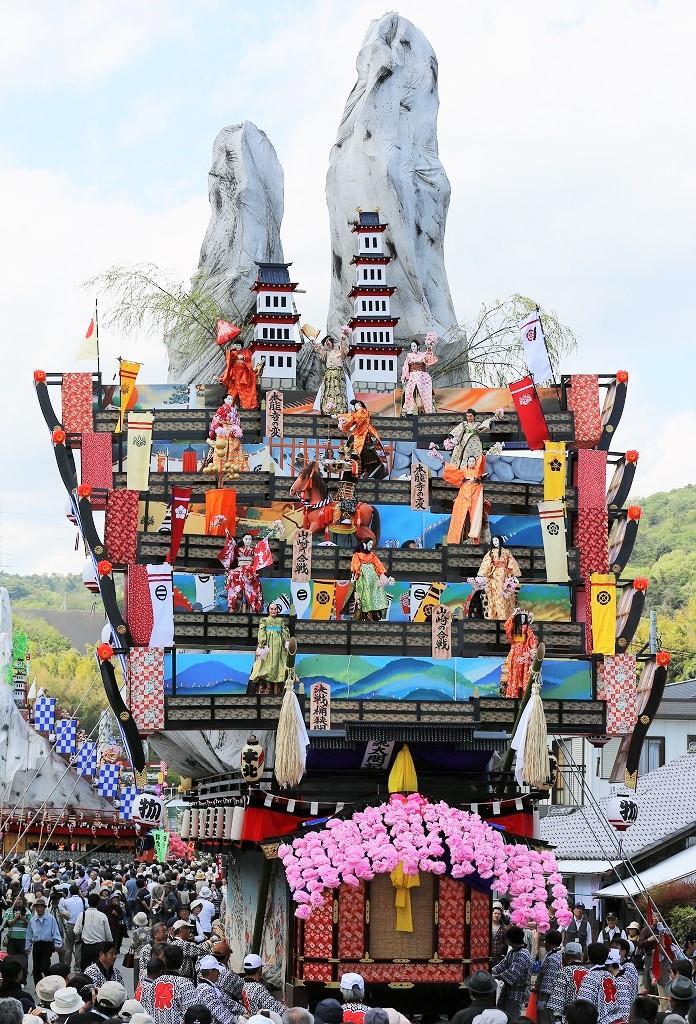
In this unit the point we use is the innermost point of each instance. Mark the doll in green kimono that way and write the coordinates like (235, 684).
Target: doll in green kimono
(274, 643)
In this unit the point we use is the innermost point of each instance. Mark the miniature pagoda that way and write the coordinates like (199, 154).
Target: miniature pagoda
(373, 353)
(276, 339)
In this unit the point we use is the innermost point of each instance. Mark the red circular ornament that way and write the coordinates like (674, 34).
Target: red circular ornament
(632, 456)
(84, 490)
(622, 377)
(634, 512)
(640, 583)
(663, 658)
(39, 376)
(58, 435)
(104, 567)
(105, 652)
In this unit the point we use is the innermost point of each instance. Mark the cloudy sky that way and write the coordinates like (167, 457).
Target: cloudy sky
(566, 129)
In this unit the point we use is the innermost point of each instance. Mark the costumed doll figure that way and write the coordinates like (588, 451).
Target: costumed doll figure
(364, 446)
(227, 416)
(244, 562)
(467, 509)
(369, 577)
(272, 647)
(336, 391)
(498, 576)
(228, 458)
(416, 378)
(465, 440)
(523, 644)
(241, 378)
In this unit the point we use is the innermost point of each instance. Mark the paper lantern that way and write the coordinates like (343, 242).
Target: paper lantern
(252, 760)
(186, 824)
(622, 377)
(89, 577)
(39, 376)
(105, 652)
(237, 824)
(69, 514)
(195, 816)
(147, 809)
(227, 825)
(598, 741)
(622, 811)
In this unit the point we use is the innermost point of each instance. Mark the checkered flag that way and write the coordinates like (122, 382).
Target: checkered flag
(44, 714)
(125, 801)
(87, 759)
(108, 779)
(66, 735)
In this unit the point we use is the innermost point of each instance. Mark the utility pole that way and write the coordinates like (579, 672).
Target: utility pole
(652, 636)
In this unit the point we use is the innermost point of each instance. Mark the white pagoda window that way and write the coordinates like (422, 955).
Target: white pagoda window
(391, 364)
(271, 360)
(360, 364)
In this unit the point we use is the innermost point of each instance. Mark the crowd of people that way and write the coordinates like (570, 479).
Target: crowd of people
(65, 925)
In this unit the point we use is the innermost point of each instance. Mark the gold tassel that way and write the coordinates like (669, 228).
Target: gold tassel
(291, 738)
(402, 777)
(536, 746)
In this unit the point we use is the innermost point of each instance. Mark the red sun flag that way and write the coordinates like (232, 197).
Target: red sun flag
(88, 345)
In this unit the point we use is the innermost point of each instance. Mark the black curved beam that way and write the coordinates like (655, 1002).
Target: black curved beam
(621, 484)
(123, 716)
(113, 612)
(612, 411)
(46, 405)
(632, 618)
(65, 460)
(644, 722)
(621, 544)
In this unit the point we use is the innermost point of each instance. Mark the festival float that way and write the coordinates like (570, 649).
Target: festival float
(361, 595)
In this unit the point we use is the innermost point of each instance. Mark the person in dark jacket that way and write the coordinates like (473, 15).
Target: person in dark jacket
(579, 929)
(483, 991)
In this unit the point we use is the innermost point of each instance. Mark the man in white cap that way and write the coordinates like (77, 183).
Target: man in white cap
(182, 933)
(258, 996)
(353, 995)
(209, 993)
(65, 1002)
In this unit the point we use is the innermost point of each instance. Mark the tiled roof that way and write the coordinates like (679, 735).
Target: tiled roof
(369, 219)
(274, 273)
(680, 691)
(666, 807)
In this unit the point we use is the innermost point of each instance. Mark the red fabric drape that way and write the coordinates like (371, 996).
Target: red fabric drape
(96, 466)
(121, 527)
(181, 500)
(76, 403)
(139, 605)
(529, 411)
(262, 823)
(583, 401)
(189, 461)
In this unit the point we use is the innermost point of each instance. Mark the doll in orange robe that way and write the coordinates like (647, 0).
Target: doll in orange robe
(515, 671)
(240, 378)
(468, 505)
(364, 446)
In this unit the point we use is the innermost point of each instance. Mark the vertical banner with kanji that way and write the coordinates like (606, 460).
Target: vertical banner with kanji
(302, 557)
(320, 707)
(441, 620)
(274, 414)
(420, 497)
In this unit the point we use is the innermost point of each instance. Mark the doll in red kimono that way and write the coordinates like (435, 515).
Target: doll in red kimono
(514, 674)
(244, 562)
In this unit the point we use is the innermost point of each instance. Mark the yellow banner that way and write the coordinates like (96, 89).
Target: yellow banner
(127, 372)
(554, 470)
(603, 614)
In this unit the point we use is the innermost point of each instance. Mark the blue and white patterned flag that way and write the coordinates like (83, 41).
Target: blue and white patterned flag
(87, 759)
(66, 735)
(107, 782)
(125, 802)
(44, 714)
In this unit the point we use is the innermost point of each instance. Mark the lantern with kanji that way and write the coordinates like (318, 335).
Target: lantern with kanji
(253, 758)
(622, 811)
(147, 809)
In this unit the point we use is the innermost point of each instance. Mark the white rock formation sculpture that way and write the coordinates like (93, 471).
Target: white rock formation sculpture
(245, 189)
(386, 158)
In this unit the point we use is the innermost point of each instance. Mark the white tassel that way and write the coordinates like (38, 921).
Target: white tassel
(536, 768)
(291, 739)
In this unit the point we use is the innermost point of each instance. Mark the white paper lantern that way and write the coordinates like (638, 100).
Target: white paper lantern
(237, 823)
(227, 827)
(195, 822)
(622, 811)
(89, 577)
(186, 824)
(147, 809)
(220, 823)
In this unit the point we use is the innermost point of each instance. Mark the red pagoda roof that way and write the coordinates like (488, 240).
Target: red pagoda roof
(373, 321)
(273, 318)
(370, 289)
(364, 257)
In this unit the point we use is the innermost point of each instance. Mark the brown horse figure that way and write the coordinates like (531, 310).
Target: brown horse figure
(321, 511)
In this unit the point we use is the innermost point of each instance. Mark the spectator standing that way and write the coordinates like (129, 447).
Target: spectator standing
(70, 907)
(515, 971)
(498, 941)
(549, 975)
(103, 969)
(257, 995)
(579, 929)
(15, 922)
(612, 930)
(42, 939)
(483, 991)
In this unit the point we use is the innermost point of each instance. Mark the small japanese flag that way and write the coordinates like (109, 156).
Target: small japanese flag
(88, 346)
(534, 346)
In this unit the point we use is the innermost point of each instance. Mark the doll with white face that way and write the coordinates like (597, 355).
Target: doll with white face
(415, 377)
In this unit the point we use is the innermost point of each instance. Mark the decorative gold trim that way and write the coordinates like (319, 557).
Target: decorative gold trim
(436, 911)
(335, 911)
(467, 916)
(400, 984)
(367, 911)
(631, 779)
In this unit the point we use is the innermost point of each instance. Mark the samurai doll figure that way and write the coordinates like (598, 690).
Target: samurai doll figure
(465, 440)
(364, 448)
(244, 562)
(336, 391)
(369, 578)
(416, 378)
(515, 670)
(273, 646)
(241, 378)
(467, 510)
(498, 577)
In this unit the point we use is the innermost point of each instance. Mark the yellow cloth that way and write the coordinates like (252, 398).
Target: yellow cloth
(127, 372)
(402, 897)
(554, 474)
(603, 612)
(402, 777)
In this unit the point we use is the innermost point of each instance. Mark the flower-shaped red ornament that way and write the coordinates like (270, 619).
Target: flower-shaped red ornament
(640, 583)
(39, 376)
(84, 490)
(58, 435)
(634, 512)
(104, 568)
(632, 455)
(105, 652)
(622, 377)
(663, 658)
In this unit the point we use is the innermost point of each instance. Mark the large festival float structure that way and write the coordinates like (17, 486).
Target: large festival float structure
(355, 618)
